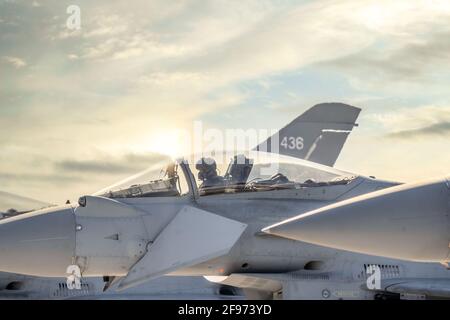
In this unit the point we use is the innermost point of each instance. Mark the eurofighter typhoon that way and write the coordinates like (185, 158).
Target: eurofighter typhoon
(183, 217)
(314, 122)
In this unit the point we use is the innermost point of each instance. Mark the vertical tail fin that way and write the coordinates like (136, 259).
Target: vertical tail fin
(317, 135)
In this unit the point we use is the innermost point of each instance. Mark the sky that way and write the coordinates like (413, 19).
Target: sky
(83, 108)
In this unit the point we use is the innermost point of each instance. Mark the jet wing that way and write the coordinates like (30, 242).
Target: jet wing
(436, 288)
(317, 135)
(192, 237)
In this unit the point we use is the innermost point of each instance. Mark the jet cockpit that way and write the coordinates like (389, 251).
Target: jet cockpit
(244, 172)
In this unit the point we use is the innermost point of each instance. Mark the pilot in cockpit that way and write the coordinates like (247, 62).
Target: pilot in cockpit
(207, 173)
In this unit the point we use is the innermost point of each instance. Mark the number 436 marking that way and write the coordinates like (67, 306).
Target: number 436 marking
(292, 143)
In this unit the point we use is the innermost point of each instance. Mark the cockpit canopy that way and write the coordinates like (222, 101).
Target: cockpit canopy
(244, 172)
(260, 171)
(164, 178)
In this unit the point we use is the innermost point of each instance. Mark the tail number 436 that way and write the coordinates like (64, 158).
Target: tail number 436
(292, 143)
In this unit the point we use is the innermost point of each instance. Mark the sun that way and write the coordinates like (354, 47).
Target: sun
(374, 16)
(171, 142)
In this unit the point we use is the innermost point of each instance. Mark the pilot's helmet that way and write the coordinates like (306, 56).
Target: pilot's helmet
(207, 168)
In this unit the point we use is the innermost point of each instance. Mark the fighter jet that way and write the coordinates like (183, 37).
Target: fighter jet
(410, 221)
(180, 225)
(167, 221)
(323, 130)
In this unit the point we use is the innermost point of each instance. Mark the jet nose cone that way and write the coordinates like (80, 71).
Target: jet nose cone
(40, 243)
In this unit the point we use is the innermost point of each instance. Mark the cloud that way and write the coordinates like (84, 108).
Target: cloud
(410, 47)
(162, 78)
(437, 129)
(412, 118)
(14, 61)
(157, 30)
(414, 61)
(91, 166)
(411, 123)
(110, 165)
(38, 178)
(287, 39)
